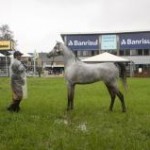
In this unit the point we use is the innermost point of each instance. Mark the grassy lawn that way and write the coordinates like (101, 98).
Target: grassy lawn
(43, 123)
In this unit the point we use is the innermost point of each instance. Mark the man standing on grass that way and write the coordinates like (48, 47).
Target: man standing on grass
(18, 81)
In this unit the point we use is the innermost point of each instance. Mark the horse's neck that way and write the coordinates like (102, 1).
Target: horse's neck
(69, 57)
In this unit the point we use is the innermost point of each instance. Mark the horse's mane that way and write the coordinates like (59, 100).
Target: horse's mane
(71, 50)
(76, 57)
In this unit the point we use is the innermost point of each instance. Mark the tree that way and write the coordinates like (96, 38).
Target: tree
(6, 33)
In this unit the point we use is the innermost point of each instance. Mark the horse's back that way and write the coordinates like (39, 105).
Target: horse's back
(108, 71)
(87, 73)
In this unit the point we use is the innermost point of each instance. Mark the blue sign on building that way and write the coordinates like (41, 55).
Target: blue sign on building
(135, 41)
(82, 42)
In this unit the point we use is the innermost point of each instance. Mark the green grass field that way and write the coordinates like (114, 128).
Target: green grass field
(43, 123)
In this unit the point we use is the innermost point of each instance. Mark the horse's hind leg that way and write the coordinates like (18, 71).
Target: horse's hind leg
(121, 97)
(113, 90)
(70, 96)
(112, 95)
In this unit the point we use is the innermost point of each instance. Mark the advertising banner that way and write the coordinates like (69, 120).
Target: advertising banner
(108, 42)
(6, 45)
(134, 41)
(82, 42)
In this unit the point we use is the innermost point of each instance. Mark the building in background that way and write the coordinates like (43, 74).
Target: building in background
(54, 66)
(132, 45)
(5, 47)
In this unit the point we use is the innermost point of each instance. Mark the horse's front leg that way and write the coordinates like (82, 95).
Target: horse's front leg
(70, 96)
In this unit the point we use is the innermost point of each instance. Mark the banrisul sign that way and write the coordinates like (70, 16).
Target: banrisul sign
(135, 41)
(83, 42)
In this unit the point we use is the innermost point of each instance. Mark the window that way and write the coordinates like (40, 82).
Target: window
(85, 53)
(93, 53)
(133, 52)
(146, 51)
(121, 53)
(127, 52)
(79, 53)
(140, 52)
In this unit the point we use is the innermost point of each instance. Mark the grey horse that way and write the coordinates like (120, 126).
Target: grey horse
(78, 72)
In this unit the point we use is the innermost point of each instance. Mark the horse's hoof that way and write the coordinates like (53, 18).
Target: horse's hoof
(68, 109)
(110, 110)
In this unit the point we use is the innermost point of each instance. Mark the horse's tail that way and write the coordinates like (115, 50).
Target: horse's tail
(123, 73)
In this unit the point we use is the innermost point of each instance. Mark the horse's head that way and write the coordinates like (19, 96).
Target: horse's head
(57, 50)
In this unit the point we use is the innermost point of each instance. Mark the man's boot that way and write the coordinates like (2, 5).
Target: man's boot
(17, 107)
(14, 107)
(11, 106)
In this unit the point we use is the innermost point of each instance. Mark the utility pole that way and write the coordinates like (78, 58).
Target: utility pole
(35, 56)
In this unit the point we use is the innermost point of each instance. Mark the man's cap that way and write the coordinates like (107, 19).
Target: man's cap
(17, 53)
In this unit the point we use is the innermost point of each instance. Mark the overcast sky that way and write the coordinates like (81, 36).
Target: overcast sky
(37, 24)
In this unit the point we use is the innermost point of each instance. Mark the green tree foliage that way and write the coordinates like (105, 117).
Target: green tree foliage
(6, 33)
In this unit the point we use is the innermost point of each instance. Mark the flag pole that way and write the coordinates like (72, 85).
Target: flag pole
(34, 63)
(34, 66)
